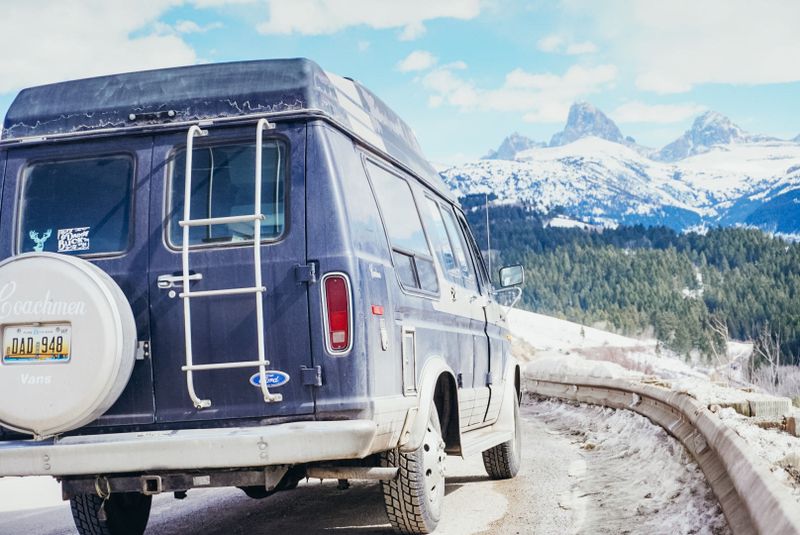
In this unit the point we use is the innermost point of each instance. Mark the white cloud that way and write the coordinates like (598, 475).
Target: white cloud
(673, 46)
(418, 60)
(189, 26)
(639, 112)
(72, 39)
(412, 31)
(316, 17)
(558, 43)
(550, 43)
(221, 3)
(539, 97)
(586, 47)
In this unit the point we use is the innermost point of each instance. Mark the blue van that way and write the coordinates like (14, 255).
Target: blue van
(242, 275)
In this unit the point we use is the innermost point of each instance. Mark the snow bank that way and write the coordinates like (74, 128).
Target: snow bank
(781, 450)
(556, 338)
(571, 365)
(548, 332)
(635, 478)
(563, 349)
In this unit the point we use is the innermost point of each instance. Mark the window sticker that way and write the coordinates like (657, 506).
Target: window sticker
(73, 239)
(39, 240)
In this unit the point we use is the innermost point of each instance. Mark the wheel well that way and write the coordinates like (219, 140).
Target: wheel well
(446, 399)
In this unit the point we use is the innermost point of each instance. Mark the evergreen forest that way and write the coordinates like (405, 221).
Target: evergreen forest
(689, 290)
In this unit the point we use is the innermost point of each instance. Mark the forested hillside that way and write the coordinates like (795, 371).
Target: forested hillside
(687, 289)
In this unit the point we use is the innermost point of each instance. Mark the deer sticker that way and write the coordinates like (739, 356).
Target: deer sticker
(39, 241)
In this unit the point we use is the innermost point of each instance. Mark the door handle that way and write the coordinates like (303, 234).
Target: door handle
(165, 282)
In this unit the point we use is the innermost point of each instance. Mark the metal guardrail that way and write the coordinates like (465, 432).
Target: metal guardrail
(752, 499)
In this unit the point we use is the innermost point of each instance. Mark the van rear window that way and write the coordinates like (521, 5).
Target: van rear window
(223, 185)
(79, 207)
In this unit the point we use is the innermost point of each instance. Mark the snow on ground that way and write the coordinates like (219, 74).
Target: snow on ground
(564, 348)
(23, 493)
(634, 477)
(781, 450)
(571, 344)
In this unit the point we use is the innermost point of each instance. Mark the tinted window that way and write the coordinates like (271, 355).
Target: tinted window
(77, 207)
(399, 211)
(404, 265)
(442, 247)
(412, 257)
(476, 254)
(223, 185)
(460, 249)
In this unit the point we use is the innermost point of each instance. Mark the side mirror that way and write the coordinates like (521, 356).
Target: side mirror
(512, 276)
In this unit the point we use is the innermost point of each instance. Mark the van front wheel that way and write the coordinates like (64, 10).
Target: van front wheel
(503, 461)
(414, 498)
(123, 514)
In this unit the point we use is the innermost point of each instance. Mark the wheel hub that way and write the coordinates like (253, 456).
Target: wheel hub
(434, 464)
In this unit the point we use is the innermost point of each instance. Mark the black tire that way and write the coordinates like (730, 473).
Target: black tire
(289, 482)
(503, 461)
(414, 498)
(125, 514)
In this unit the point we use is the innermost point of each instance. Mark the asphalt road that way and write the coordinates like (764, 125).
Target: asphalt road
(533, 502)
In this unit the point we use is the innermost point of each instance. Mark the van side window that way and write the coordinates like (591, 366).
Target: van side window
(448, 247)
(412, 257)
(77, 207)
(469, 279)
(223, 184)
(483, 273)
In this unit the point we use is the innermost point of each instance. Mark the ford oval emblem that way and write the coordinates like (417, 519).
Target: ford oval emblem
(274, 378)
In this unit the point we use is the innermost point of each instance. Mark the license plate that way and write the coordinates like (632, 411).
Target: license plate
(37, 343)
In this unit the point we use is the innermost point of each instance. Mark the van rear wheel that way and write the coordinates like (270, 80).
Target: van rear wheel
(124, 514)
(414, 498)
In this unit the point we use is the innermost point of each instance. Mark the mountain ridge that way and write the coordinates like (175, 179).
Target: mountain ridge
(603, 182)
(709, 129)
(512, 145)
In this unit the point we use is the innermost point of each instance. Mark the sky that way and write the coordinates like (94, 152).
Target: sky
(463, 73)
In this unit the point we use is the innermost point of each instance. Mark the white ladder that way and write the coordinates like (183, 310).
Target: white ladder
(258, 289)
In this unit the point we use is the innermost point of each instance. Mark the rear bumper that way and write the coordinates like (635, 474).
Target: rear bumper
(290, 443)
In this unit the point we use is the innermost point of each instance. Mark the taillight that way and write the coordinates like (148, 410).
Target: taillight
(337, 312)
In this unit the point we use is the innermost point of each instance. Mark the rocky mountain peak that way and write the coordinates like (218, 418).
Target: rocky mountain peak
(585, 120)
(713, 128)
(709, 129)
(512, 145)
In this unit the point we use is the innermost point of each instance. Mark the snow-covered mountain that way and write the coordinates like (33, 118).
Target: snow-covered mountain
(797, 139)
(511, 146)
(708, 130)
(727, 176)
(585, 120)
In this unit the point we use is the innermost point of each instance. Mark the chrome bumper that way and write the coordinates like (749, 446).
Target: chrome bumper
(290, 443)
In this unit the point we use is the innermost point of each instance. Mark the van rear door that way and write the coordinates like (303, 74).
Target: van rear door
(89, 198)
(223, 327)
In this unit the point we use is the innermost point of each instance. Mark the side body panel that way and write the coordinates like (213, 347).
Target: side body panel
(384, 369)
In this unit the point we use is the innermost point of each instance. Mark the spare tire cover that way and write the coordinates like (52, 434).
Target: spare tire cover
(46, 397)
